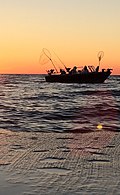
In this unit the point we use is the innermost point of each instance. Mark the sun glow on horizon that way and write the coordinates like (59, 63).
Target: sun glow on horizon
(75, 29)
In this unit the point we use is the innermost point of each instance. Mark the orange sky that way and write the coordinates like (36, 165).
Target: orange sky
(75, 29)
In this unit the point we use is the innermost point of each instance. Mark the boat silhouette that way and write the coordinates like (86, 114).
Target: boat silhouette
(88, 74)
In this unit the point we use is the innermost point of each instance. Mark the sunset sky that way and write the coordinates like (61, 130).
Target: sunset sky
(75, 29)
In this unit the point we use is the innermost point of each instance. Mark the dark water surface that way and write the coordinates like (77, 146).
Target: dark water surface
(28, 103)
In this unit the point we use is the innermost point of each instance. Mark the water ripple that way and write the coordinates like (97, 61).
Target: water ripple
(28, 103)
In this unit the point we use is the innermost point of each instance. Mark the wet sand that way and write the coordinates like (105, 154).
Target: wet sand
(59, 163)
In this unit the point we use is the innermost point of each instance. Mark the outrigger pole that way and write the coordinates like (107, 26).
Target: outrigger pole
(50, 59)
(60, 60)
(53, 65)
(67, 69)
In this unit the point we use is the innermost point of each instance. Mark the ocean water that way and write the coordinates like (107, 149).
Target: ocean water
(28, 103)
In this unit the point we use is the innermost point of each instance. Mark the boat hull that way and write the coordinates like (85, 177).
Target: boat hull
(92, 77)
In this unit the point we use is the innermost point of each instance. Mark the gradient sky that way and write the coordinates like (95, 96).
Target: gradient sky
(75, 29)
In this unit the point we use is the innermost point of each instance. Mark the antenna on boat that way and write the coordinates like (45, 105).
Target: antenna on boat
(48, 55)
(100, 56)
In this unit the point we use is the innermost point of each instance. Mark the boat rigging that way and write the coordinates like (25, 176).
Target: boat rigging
(88, 74)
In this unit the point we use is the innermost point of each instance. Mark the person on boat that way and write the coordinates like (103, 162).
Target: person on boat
(51, 71)
(68, 69)
(85, 69)
(62, 71)
(103, 70)
(74, 70)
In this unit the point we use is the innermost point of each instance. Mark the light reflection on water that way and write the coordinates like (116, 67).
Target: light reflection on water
(28, 103)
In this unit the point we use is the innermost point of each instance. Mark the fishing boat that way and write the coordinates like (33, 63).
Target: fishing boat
(79, 77)
(88, 74)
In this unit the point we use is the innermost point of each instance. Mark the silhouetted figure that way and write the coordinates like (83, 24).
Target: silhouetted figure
(85, 69)
(62, 71)
(68, 69)
(51, 71)
(74, 70)
(103, 70)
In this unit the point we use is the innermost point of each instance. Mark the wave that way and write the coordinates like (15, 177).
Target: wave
(28, 103)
